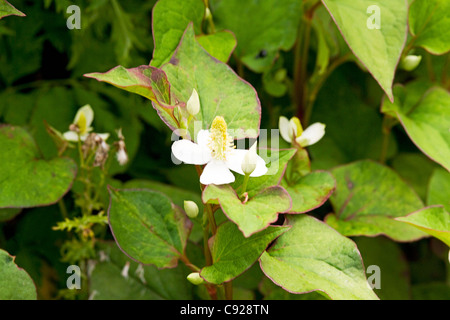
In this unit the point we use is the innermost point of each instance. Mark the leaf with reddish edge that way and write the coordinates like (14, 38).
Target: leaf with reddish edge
(368, 197)
(15, 283)
(7, 9)
(379, 50)
(233, 254)
(434, 220)
(147, 81)
(312, 256)
(254, 214)
(221, 91)
(147, 227)
(310, 191)
(27, 180)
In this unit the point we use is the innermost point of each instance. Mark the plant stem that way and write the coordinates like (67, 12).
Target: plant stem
(63, 209)
(228, 286)
(244, 184)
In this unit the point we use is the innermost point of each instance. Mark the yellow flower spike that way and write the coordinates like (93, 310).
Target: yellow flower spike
(296, 126)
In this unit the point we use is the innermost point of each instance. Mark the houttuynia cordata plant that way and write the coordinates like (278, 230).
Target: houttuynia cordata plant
(225, 149)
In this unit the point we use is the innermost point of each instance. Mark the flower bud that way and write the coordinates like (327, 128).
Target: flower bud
(193, 104)
(195, 278)
(191, 209)
(410, 62)
(248, 164)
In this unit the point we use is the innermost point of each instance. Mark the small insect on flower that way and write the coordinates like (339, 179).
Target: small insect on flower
(81, 126)
(292, 131)
(216, 149)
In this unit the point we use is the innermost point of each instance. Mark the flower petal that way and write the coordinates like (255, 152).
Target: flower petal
(234, 162)
(311, 135)
(216, 172)
(203, 138)
(88, 114)
(285, 129)
(70, 136)
(191, 153)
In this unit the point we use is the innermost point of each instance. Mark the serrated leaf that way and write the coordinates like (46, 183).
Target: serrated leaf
(368, 197)
(429, 23)
(254, 215)
(148, 227)
(379, 49)
(311, 256)
(40, 182)
(15, 283)
(232, 253)
(434, 220)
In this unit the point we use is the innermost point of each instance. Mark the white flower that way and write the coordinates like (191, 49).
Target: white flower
(122, 156)
(191, 209)
(193, 104)
(291, 130)
(215, 148)
(81, 126)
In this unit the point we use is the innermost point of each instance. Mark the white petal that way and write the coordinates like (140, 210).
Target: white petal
(203, 138)
(260, 169)
(104, 136)
(234, 162)
(312, 134)
(285, 129)
(70, 136)
(191, 153)
(88, 114)
(216, 172)
(193, 104)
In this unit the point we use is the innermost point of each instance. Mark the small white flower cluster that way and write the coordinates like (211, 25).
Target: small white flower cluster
(81, 131)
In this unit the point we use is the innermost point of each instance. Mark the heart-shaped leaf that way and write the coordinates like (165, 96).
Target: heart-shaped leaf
(220, 45)
(255, 214)
(311, 256)
(375, 30)
(148, 227)
(6, 9)
(221, 91)
(439, 189)
(15, 283)
(368, 197)
(434, 220)
(41, 182)
(310, 191)
(232, 253)
(262, 28)
(429, 24)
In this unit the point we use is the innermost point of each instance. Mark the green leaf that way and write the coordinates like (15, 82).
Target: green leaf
(253, 215)
(310, 191)
(109, 281)
(15, 283)
(429, 23)
(434, 220)
(7, 9)
(439, 189)
(260, 27)
(170, 19)
(378, 49)
(311, 256)
(233, 254)
(40, 182)
(428, 123)
(221, 91)
(220, 45)
(276, 162)
(368, 197)
(8, 213)
(148, 227)
(388, 256)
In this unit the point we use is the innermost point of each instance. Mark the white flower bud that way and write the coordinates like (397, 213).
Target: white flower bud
(191, 209)
(195, 278)
(410, 62)
(193, 104)
(248, 164)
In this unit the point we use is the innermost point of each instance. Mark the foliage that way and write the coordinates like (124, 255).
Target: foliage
(324, 127)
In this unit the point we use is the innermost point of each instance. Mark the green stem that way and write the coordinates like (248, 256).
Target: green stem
(63, 209)
(228, 286)
(244, 184)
